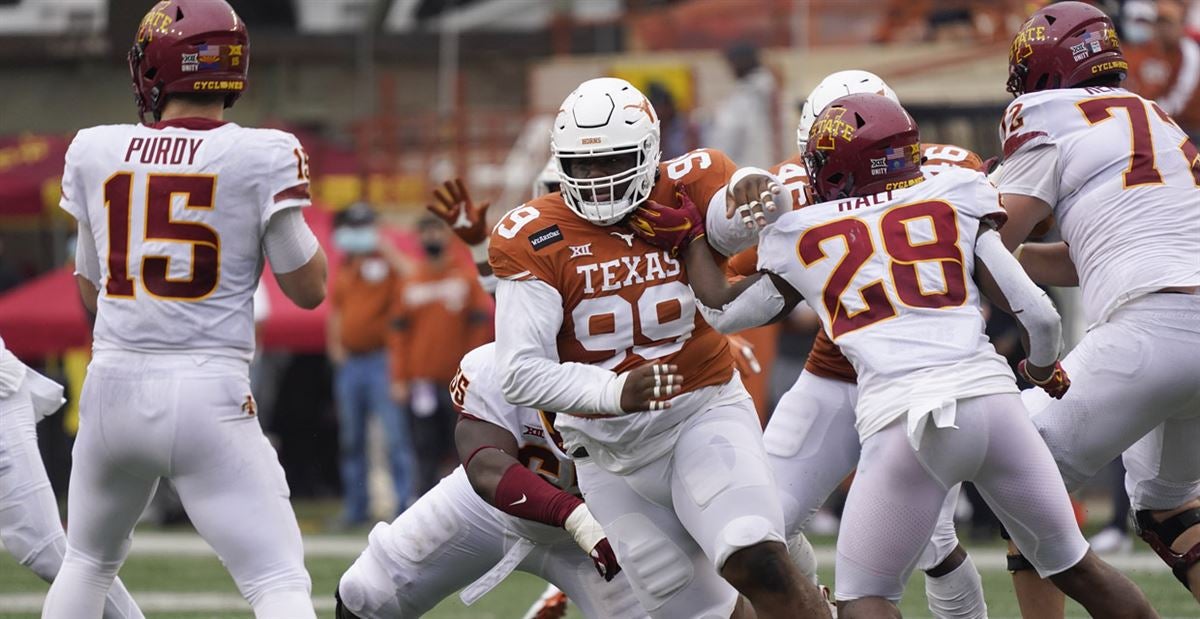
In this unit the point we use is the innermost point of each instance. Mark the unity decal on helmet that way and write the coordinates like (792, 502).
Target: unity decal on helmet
(896, 160)
(829, 127)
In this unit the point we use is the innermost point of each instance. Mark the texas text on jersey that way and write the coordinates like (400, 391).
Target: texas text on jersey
(624, 301)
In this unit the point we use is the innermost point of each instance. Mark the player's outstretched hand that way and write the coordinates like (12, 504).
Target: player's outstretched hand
(671, 229)
(1053, 380)
(751, 198)
(650, 387)
(454, 206)
(588, 534)
(743, 355)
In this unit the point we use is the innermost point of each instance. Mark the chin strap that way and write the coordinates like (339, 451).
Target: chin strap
(1160, 536)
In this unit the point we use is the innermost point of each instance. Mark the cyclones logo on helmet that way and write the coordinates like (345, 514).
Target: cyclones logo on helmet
(862, 144)
(1063, 45)
(184, 46)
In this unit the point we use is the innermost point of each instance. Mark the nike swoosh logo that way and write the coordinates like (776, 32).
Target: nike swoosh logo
(522, 500)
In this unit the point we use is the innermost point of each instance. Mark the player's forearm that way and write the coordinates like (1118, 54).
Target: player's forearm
(1030, 305)
(1048, 264)
(572, 388)
(730, 235)
(530, 315)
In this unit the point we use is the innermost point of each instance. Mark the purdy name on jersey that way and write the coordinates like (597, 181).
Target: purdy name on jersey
(475, 392)
(177, 212)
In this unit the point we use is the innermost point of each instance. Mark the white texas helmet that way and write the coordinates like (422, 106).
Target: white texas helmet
(606, 116)
(837, 85)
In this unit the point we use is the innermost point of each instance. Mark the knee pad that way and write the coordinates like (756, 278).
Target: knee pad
(743, 532)
(365, 589)
(340, 611)
(1160, 536)
(803, 556)
(47, 560)
(654, 563)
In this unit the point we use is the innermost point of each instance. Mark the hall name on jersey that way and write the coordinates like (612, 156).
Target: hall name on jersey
(865, 201)
(165, 150)
(627, 271)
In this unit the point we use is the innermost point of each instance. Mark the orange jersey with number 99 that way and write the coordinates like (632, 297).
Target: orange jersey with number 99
(624, 301)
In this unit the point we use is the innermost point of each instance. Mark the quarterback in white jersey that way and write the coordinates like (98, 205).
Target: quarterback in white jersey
(512, 505)
(30, 527)
(174, 220)
(891, 263)
(1123, 184)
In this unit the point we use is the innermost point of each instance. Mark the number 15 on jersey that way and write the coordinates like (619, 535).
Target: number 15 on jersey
(193, 192)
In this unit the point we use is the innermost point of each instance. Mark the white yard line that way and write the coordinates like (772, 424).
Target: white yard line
(157, 602)
(343, 546)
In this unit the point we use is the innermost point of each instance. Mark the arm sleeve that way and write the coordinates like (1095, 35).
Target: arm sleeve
(288, 242)
(527, 353)
(1032, 172)
(756, 306)
(72, 190)
(729, 235)
(87, 259)
(1030, 304)
(287, 176)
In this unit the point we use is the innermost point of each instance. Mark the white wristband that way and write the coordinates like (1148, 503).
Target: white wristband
(583, 528)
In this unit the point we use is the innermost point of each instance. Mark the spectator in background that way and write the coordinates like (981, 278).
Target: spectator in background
(678, 135)
(744, 125)
(363, 297)
(442, 313)
(1164, 61)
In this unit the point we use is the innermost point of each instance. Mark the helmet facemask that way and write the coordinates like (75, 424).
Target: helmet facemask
(608, 199)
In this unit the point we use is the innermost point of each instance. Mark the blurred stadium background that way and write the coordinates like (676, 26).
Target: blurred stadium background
(391, 97)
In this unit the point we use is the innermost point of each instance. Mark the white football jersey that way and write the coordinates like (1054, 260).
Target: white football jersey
(476, 393)
(891, 277)
(178, 215)
(1128, 191)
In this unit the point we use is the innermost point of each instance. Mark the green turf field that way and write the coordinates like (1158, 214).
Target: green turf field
(199, 588)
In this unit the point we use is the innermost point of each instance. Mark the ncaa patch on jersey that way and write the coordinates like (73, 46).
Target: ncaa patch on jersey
(545, 237)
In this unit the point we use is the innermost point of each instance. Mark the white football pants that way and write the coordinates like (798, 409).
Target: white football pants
(674, 521)
(185, 418)
(898, 492)
(449, 538)
(1135, 390)
(29, 524)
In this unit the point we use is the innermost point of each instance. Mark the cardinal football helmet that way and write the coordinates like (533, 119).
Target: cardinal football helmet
(604, 117)
(188, 46)
(862, 144)
(836, 85)
(1063, 45)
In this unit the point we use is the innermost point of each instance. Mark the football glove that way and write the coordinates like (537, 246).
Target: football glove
(743, 355)
(1056, 385)
(590, 537)
(454, 206)
(667, 228)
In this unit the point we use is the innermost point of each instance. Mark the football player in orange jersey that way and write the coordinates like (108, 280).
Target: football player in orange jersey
(595, 323)
(811, 437)
(469, 221)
